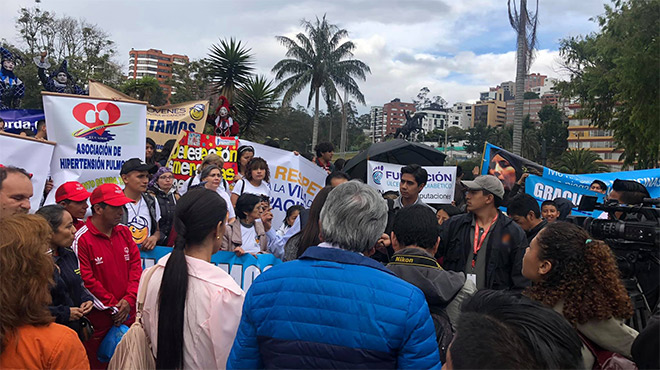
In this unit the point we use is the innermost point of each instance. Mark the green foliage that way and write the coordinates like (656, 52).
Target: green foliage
(254, 104)
(580, 161)
(530, 95)
(614, 75)
(230, 67)
(146, 89)
(191, 82)
(554, 132)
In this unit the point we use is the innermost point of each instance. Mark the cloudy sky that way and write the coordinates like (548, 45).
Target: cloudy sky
(457, 48)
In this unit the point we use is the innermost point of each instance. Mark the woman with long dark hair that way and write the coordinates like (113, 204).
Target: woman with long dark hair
(255, 181)
(192, 308)
(308, 236)
(579, 278)
(244, 154)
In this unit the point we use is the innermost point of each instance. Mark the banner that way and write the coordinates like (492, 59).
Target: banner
(293, 179)
(166, 122)
(243, 269)
(439, 188)
(99, 90)
(33, 156)
(17, 120)
(191, 149)
(94, 138)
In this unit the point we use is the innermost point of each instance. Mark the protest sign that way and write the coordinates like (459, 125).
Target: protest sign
(17, 120)
(30, 154)
(439, 188)
(94, 138)
(191, 149)
(242, 269)
(166, 122)
(99, 90)
(293, 179)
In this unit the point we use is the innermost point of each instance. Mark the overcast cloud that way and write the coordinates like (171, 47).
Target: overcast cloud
(457, 48)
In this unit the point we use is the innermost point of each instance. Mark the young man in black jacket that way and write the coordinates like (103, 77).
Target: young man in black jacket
(484, 243)
(525, 211)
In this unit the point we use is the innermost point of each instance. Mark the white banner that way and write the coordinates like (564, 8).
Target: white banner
(439, 188)
(33, 156)
(94, 138)
(293, 179)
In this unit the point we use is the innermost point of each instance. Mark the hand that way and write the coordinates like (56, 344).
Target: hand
(267, 219)
(295, 152)
(86, 307)
(239, 251)
(75, 313)
(150, 242)
(43, 56)
(475, 171)
(49, 186)
(122, 314)
(522, 179)
(384, 241)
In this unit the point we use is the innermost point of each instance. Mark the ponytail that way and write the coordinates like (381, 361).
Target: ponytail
(197, 214)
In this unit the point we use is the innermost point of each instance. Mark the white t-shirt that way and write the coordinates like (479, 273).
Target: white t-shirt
(139, 221)
(221, 190)
(250, 241)
(243, 186)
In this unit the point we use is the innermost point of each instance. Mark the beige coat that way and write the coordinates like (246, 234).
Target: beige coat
(233, 238)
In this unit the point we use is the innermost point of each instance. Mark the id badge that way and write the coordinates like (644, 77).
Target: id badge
(472, 278)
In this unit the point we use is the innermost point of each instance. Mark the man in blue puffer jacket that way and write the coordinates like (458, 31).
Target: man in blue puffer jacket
(335, 307)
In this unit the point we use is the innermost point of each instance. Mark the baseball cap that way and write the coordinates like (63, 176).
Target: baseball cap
(110, 194)
(71, 190)
(136, 164)
(486, 182)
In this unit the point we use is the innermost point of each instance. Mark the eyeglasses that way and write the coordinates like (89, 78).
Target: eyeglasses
(166, 178)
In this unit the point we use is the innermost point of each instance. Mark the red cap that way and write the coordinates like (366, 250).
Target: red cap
(72, 190)
(110, 194)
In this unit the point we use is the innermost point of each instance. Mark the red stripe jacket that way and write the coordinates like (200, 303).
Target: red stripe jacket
(110, 267)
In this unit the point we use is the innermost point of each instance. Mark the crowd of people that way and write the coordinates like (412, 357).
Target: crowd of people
(368, 280)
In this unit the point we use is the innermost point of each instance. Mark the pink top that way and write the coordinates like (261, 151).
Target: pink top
(213, 311)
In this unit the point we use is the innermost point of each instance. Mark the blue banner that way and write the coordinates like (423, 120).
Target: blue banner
(17, 120)
(243, 269)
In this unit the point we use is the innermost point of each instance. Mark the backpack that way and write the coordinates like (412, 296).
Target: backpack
(444, 331)
(134, 349)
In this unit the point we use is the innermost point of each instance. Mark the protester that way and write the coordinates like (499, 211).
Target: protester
(245, 154)
(415, 242)
(12, 89)
(164, 154)
(336, 178)
(70, 300)
(162, 189)
(340, 164)
(192, 308)
(15, 191)
(150, 151)
(549, 211)
(578, 277)
(28, 337)
(290, 316)
(445, 212)
(324, 152)
(245, 235)
(564, 207)
(41, 134)
(73, 196)
(291, 216)
(484, 243)
(309, 227)
(598, 187)
(255, 181)
(222, 189)
(110, 265)
(524, 210)
(141, 215)
(628, 192)
(499, 330)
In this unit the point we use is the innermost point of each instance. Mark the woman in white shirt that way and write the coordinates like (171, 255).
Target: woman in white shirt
(247, 234)
(255, 181)
(192, 308)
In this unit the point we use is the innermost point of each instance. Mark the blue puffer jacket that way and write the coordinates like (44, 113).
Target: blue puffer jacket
(334, 309)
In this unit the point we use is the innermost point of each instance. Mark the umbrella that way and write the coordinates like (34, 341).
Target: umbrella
(396, 151)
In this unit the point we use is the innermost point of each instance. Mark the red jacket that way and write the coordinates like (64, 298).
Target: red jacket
(110, 267)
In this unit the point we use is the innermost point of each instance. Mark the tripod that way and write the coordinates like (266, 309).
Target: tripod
(640, 306)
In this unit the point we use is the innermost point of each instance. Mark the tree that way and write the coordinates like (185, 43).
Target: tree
(554, 132)
(614, 75)
(579, 161)
(255, 103)
(190, 81)
(423, 101)
(146, 89)
(530, 95)
(230, 67)
(477, 137)
(524, 24)
(319, 60)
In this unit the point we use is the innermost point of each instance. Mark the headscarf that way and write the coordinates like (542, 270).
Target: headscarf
(154, 180)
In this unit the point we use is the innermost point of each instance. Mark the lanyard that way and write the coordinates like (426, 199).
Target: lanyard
(478, 243)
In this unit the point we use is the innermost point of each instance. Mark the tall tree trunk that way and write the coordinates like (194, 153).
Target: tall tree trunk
(342, 140)
(315, 130)
(521, 69)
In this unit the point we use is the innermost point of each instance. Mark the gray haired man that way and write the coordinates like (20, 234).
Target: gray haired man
(335, 307)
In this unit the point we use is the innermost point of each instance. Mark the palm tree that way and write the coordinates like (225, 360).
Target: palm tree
(582, 160)
(146, 89)
(254, 103)
(230, 67)
(319, 60)
(524, 24)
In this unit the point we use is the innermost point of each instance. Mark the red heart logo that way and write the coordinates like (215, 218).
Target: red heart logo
(80, 114)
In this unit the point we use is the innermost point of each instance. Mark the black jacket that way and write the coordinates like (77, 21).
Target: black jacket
(69, 289)
(167, 204)
(506, 247)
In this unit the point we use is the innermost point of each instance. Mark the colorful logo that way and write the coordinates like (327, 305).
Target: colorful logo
(197, 112)
(97, 129)
(377, 174)
(139, 229)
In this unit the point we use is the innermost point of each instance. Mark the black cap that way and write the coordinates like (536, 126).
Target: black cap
(136, 164)
(631, 186)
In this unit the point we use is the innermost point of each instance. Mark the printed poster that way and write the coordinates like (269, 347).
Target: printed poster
(167, 122)
(439, 188)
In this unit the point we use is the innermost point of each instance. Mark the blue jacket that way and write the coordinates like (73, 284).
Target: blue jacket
(334, 309)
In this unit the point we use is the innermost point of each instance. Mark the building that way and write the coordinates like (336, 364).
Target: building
(377, 126)
(548, 87)
(156, 64)
(393, 115)
(439, 119)
(496, 93)
(581, 134)
(534, 80)
(509, 86)
(489, 112)
(531, 107)
(465, 112)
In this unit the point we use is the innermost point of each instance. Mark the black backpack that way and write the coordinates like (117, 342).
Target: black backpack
(444, 331)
